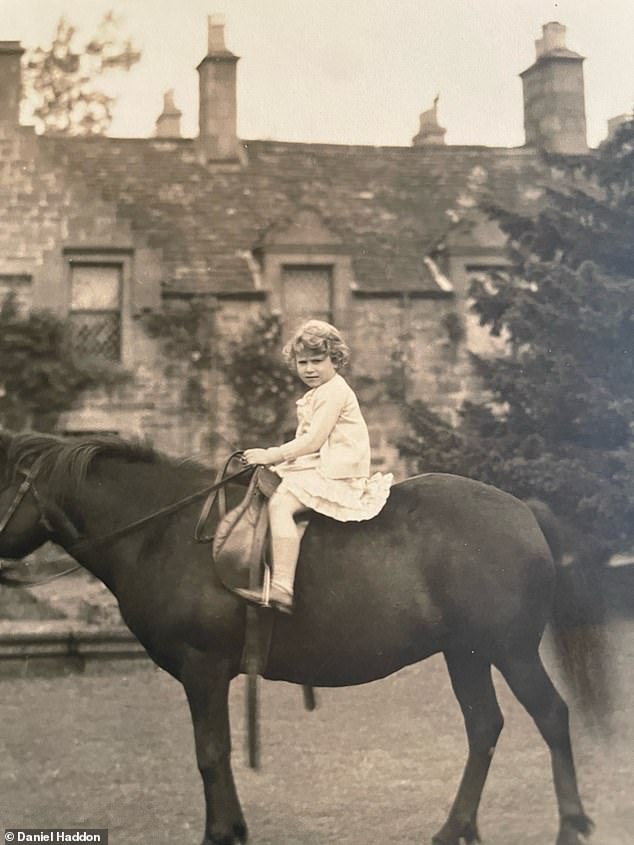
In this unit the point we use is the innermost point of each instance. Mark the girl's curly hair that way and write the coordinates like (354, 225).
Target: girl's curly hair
(317, 336)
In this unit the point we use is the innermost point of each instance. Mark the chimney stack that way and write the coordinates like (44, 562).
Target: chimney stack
(431, 133)
(168, 123)
(218, 110)
(10, 81)
(554, 100)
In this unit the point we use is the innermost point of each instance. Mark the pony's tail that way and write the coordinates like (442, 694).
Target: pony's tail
(578, 626)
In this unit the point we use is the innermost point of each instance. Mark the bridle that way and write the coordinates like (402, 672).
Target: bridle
(84, 543)
(27, 485)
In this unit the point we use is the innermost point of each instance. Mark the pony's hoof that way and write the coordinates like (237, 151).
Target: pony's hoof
(575, 830)
(468, 834)
(240, 834)
(241, 831)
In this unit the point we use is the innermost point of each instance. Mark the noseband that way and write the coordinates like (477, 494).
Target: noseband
(27, 484)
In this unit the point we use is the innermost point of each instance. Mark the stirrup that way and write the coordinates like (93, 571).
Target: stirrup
(285, 604)
(278, 598)
(284, 600)
(257, 595)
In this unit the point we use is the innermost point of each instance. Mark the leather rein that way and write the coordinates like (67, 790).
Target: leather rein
(81, 544)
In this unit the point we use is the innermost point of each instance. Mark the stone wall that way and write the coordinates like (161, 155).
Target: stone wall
(44, 214)
(41, 215)
(420, 338)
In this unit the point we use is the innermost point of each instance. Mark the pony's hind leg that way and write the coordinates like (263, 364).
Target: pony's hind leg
(529, 681)
(471, 681)
(206, 683)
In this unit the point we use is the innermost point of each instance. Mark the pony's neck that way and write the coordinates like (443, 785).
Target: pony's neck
(115, 494)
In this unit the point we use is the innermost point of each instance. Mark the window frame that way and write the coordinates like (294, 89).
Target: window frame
(312, 266)
(122, 260)
(74, 312)
(342, 276)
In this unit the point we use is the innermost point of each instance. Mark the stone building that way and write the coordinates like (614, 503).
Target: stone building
(380, 240)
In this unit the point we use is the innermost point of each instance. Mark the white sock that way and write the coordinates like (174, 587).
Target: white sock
(285, 553)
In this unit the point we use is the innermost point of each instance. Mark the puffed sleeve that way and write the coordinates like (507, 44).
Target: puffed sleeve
(328, 403)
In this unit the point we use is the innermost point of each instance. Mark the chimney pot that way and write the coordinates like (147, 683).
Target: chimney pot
(216, 40)
(553, 38)
(168, 123)
(431, 133)
(169, 106)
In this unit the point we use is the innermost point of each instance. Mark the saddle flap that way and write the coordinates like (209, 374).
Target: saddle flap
(238, 546)
(267, 481)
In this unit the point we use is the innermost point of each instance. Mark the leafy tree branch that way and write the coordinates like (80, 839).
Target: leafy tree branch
(63, 81)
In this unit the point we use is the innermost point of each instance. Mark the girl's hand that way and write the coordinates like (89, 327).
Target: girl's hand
(260, 457)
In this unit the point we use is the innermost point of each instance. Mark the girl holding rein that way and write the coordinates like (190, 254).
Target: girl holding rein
(326, 467)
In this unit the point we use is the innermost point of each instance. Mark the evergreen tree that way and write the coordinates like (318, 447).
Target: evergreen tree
(62, 81)
(557, 421)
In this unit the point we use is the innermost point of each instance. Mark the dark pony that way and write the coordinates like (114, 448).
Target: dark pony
(450, 566)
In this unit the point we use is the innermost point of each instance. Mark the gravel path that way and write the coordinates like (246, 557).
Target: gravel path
(377, 763)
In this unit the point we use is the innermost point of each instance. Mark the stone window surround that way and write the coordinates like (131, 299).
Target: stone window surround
(117, 257)
(276, 258)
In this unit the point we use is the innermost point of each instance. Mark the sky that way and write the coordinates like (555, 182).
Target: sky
(353, 71)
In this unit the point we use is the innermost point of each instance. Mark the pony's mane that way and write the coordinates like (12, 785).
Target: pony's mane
(64, 462)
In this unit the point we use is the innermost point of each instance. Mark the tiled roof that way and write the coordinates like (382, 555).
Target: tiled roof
(388, 205)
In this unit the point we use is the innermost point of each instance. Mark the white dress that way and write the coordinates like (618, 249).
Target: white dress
(332, 440)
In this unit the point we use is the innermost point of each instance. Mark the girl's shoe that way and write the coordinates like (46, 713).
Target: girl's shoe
(281, 598)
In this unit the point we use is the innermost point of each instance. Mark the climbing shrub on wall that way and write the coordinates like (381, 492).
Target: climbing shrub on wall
(40, 376)
(398, 376)
(185, 331)
(260, 380)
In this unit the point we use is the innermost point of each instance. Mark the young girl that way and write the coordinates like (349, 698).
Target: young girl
(326, 468)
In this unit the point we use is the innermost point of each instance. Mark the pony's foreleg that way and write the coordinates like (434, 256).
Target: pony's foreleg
(527, 678)
(206, 681)
(473, 687)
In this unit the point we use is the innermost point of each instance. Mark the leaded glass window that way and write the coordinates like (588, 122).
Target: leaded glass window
(306, 293)
(95, 309)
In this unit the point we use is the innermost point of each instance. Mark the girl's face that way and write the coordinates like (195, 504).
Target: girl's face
(314, 368)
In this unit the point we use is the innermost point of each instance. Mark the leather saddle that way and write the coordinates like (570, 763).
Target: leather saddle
(239, 545)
